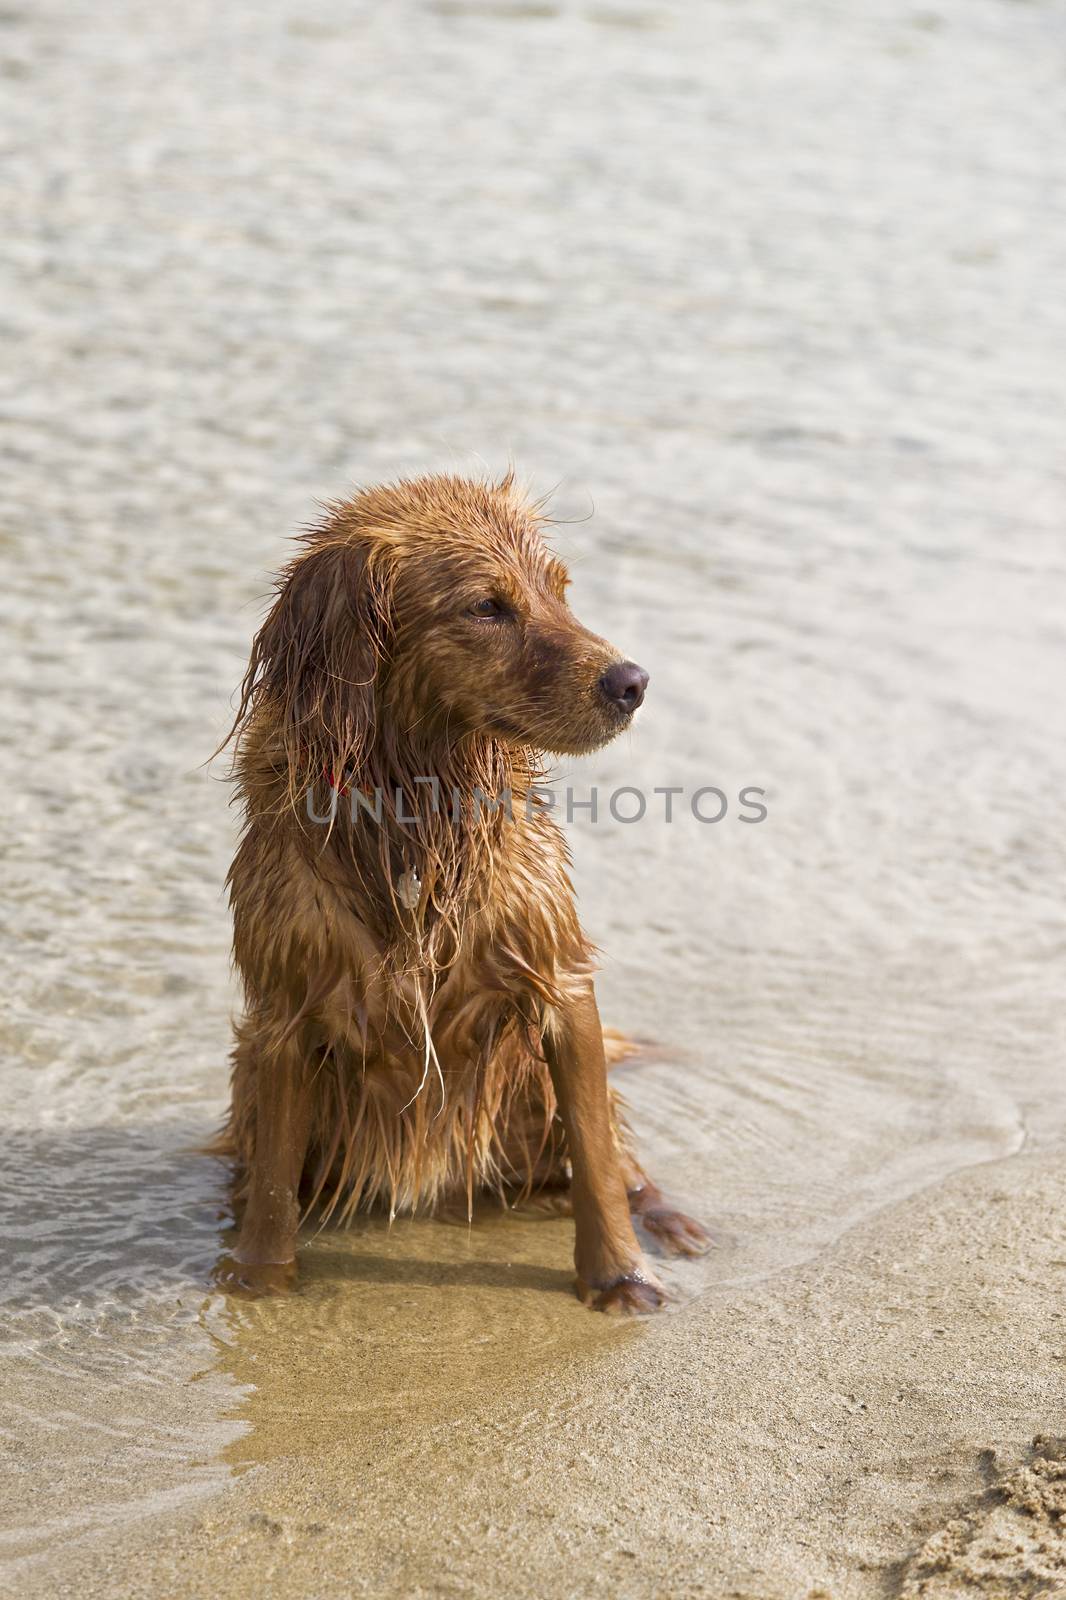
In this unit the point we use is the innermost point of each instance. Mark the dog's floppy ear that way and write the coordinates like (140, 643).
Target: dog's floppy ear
(315, 661)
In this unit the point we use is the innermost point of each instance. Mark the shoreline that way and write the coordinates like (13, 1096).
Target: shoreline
(808, 1435)
(754, 293)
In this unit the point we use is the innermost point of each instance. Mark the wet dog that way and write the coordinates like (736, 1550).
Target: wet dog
(420, 1022)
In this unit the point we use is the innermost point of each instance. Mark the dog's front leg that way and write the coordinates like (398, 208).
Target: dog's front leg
(264, 1259)
(611, 1272)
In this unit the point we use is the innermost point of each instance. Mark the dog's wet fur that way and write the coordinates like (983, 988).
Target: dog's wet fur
(420, 1022)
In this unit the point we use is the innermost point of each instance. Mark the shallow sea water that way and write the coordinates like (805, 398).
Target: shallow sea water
(766, 293)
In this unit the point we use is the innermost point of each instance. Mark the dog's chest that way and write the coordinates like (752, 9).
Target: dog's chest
(518, 951)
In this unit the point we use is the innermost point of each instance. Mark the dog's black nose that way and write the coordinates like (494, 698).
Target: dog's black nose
(624, 685)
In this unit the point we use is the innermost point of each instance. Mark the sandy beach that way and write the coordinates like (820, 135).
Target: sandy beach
(426, 1420)
(766, 298)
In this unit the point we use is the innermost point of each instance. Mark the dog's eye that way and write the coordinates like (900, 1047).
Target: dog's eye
(487, 608)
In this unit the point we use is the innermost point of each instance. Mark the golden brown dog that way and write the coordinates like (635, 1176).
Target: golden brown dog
(420, 1018)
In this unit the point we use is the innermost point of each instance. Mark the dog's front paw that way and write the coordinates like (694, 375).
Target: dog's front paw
(635, 1295)
(254, 1279)
(679, 1235)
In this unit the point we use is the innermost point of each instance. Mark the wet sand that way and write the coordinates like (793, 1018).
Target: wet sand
(771, 293)
(434, 1415)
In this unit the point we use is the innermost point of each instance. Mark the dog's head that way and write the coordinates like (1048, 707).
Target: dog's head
(431, 610)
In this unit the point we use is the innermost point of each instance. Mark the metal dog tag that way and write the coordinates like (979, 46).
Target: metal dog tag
(409, 889)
